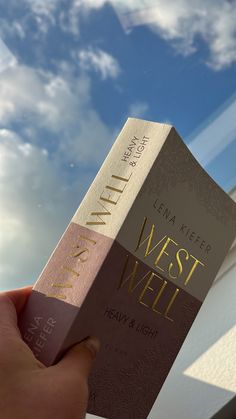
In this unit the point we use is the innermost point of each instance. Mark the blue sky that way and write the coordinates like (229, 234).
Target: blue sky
(71, 72)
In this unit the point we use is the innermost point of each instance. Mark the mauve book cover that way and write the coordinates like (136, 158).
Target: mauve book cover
(133, 268)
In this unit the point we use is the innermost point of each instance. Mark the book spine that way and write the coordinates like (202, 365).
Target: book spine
(63, 285)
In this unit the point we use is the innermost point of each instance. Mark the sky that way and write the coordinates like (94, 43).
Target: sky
(71, 72)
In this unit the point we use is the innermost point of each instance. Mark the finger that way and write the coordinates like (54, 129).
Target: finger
(11, 303)
(19, 297)
(78, 360)
(8, 318)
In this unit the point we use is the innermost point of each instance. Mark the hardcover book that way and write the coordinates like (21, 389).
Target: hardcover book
(133, 268)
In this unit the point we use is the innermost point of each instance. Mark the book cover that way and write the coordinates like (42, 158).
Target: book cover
(133, 268)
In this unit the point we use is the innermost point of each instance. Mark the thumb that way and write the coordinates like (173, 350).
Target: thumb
(79, 359)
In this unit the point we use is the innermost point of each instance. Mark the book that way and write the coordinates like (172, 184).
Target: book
(133, 268)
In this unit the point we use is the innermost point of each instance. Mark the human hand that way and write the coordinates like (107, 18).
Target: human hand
(28, 389)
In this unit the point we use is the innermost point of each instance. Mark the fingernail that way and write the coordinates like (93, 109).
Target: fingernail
(93, 344)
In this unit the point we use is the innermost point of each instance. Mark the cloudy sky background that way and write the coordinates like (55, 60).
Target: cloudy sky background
(71, 72)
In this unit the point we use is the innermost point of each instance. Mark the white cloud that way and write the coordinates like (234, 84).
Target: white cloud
(69, 22)
(58, 103)
(37, 202)
(138, 109)
(41, 12)
(182, 22)
(39, 94)
(43, 7)
(100, 61)
(95, 4)
(27, 180)
(69, 19)
(38, 191)
(7, 59)
(16, 28)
